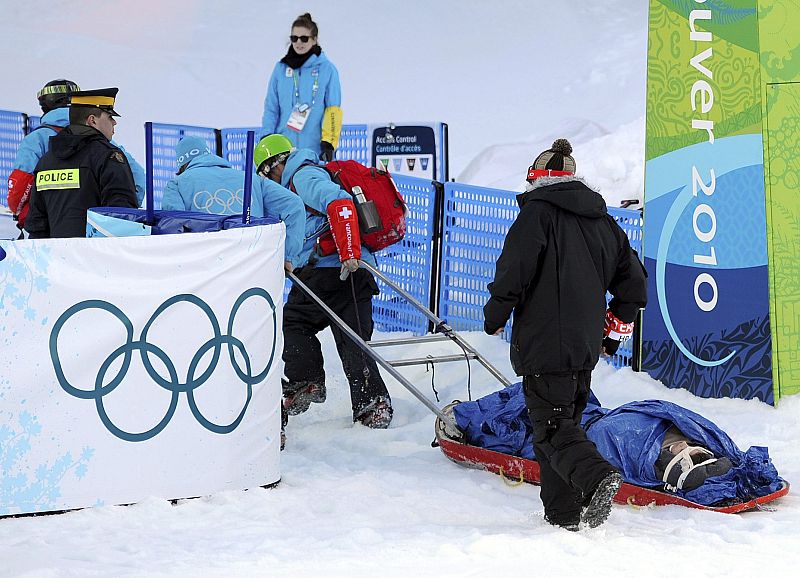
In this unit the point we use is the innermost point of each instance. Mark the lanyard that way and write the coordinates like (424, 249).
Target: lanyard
(314, 88)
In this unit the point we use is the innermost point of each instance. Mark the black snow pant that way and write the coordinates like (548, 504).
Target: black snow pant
(571, 467)
(303, 319)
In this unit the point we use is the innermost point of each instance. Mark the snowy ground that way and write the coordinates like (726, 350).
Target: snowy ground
(352, 501)
(358, 502)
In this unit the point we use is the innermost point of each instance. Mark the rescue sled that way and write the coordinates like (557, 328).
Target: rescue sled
(525, 470)
(451, 439)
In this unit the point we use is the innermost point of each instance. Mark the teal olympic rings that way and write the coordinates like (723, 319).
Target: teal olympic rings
(171, 382)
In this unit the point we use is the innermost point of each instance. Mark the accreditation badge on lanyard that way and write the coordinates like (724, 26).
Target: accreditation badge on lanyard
(298, 118)
(300, 111)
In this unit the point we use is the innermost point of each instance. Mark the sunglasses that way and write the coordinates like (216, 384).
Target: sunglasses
(302, 39)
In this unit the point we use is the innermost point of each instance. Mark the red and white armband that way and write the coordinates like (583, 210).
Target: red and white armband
(19, 192)
(615, 328)
(344, 227)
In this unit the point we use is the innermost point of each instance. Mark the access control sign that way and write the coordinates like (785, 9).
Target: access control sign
(416, 150)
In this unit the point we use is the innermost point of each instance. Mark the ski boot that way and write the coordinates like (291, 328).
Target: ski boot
(377, 415)
(301, 398)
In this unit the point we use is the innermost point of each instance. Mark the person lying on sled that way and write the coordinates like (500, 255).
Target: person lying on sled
(681, 465)
(653, 443)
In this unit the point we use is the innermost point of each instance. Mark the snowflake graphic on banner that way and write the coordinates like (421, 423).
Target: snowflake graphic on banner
(26, 485)
(39, 488)
(23, 272)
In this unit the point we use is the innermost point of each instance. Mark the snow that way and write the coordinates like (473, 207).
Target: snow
(508, 78)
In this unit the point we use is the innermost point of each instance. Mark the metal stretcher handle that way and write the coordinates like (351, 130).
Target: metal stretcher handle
(356, 338)
(439, 325)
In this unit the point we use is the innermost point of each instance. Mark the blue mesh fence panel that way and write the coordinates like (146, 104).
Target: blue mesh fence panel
(352, 144)
(234, 142)
(476, 222)
(165, 137)
(33, 123)
(12, 130)
(408, 263)
(632, 223)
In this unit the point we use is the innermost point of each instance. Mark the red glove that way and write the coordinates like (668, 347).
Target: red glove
(19, 192)
(614, 332)
(344, 227)
(615, 328)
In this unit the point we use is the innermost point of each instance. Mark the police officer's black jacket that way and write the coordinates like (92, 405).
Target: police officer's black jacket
(560, 256)
(81, 169)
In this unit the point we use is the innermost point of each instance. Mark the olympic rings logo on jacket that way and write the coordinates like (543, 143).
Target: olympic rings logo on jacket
(171, 383)
(220, 202)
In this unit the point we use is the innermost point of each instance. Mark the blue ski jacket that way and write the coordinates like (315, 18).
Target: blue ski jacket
(315, 188)
(211, 185)
(629, 437)
(34, 145)
(315, 84)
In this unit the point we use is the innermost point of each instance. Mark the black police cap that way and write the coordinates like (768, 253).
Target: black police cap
(102, 98)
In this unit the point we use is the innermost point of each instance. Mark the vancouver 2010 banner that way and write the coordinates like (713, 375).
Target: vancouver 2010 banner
(721, 210)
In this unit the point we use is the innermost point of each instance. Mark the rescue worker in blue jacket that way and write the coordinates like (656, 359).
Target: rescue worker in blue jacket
(329, 266)
(54, 102)
(303, 100)
(207, 183)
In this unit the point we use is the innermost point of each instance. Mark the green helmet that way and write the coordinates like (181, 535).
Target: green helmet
(271, 146)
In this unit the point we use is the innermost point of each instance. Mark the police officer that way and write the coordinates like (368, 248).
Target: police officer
(54, 100)
(82, 169)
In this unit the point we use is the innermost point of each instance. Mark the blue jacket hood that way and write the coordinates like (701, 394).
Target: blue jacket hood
(315, 60)
(295, 160)
(208, 160)
(56, 117)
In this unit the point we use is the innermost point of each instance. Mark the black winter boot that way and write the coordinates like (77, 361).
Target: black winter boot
(599, 505)
(571, 523)
(377, 415)
(298, 397)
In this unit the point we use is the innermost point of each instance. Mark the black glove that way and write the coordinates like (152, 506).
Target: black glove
(325, 152)
(610, 346)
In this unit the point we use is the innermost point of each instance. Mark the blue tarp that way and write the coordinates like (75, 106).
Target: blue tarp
(630, 438)
(172, 222)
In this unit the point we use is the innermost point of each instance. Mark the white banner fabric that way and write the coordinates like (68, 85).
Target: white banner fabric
(141, 366)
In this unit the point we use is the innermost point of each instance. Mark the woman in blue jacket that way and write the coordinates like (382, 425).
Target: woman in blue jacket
(304, 98)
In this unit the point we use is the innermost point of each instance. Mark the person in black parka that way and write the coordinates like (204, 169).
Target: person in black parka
(81, 169)
(559, 258)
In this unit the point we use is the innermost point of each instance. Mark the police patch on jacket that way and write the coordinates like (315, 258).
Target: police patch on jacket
(118, 156)
(58, 179)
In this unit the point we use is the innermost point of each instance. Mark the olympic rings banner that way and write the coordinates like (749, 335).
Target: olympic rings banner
(139, 366)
